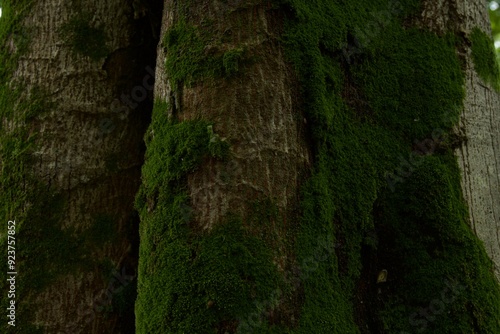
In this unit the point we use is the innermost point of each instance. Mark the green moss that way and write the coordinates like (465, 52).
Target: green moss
(434, 245)
(426, 86)
(84, 37)
(408, 86)
(45, 251)
(365, 108)
(191, 282)
(205, 282)
(176, 148)
(433, 249)
(231, 61)
(484, 57)
(192, 55)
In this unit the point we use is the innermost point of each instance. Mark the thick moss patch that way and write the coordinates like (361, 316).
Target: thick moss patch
(191, 282)
(443, 280)
(484, 57)
(372, 95)
(193, 54)
(374, 92)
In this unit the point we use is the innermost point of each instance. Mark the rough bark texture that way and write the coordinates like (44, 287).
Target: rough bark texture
(366, 101)
(254, 107)
(89, 148)
(257, 112)
(479, 155)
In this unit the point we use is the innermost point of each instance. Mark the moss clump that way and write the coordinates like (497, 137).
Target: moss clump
(176, 148)
(231, 61)
(408, 85)
(484, 57)
(192, 56)
(443, 280)
(84, 38)
(191, 282)
(205, 282)
(412, 82)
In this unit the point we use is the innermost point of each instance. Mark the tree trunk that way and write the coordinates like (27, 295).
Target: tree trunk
(71, 192)
(254, 109)
(310, 166)
(300, 172)
(478, 156)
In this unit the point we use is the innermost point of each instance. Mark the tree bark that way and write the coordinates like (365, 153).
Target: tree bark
(478, 156)
(284, 123)
(81, 57)
(322, 243)
(258, 112)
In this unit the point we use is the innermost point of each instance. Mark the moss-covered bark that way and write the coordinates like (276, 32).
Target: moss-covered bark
(74, 216)
(381, 96)
(383, 100)
(484, 57)
(212, 205)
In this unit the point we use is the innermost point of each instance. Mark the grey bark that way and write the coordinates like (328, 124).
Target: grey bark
(479, 156)
(88, 126)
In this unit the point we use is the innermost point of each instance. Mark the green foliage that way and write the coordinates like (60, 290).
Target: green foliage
(495, 22)
(84, 37)
(484, 57)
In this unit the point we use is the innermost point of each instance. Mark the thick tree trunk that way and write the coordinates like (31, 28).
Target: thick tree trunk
(263, 202)
(479, 154)
(373, 82)
(81, 57)
(257, 112)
